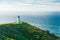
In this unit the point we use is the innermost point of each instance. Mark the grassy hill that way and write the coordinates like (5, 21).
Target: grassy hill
(24, 31)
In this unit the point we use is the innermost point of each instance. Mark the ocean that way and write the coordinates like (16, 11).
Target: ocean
(49, 22)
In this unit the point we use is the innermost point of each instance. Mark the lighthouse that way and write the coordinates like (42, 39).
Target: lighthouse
(18, 19)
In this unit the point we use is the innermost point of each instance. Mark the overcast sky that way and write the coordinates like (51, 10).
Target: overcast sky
(28, 6)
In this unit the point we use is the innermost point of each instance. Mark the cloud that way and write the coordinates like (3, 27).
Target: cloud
(29, 5)
(57, 1)
(22, 7)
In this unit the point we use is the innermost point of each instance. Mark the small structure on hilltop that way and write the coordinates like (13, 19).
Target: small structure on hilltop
(18, 19)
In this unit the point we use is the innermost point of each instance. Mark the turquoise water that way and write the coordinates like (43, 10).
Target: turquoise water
(51, 22)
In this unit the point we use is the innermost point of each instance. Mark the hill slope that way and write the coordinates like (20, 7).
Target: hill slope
(24, 31)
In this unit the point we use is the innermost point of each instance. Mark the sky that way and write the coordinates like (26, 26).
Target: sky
(11, 7)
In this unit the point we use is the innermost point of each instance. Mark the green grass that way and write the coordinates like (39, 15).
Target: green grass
(24, 31)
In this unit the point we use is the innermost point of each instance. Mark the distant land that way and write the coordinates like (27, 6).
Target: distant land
(24, 31)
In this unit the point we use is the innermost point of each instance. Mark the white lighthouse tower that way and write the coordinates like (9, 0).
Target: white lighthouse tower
(18, 19)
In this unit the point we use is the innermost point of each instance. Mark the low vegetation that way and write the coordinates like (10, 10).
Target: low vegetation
(24, 31)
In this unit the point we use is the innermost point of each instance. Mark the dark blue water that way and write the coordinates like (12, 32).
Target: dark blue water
(49, 22)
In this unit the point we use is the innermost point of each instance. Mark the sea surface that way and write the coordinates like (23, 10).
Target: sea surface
(46, 22)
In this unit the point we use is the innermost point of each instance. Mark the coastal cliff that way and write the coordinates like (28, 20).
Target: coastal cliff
(24, 31)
